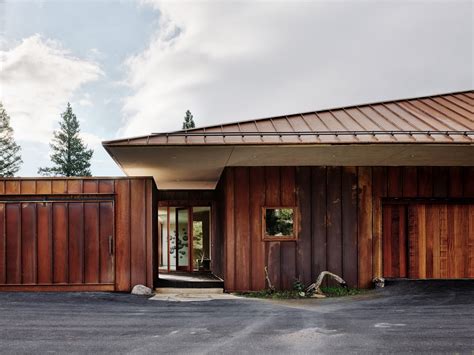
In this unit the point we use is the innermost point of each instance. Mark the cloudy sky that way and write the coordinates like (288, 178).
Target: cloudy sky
(134, 67)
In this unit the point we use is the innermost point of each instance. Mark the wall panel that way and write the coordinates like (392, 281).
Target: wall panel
(75, 241)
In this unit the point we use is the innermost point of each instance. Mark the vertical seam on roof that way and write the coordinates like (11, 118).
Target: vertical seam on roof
(344, 127)
(373, 121)
(430, 115)
(242, 138)
(407, 121)
(274, 127)
(307, 124)
(463, 95)
(293, 128)
(383, 117)
(258, 130)
(325, 125)
(364, 129)
(420, 117)
(353, 119)
(459, 97)
(417, 115)
(393, 123)
(449, 117)
(223, 134)
(450, 109)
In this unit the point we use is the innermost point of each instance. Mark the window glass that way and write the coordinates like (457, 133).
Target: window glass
(279, 222)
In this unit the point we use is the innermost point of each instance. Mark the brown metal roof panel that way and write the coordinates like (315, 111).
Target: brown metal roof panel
(176, 139)
(434, 122)
(468, 94)
(362, 120)
(298, 124)
(158, 139)
(215, 140)
(399, 122)
(449, 112)
(449, 121)
(330, 122)
(378, 119)
(347, 121)
(230, 128)
(265, 126)
(248, 127)
(456, 105)
(466, 99)
(140, 140)
(418, 123)
(282, 125)
(314, 122)
(196, 139)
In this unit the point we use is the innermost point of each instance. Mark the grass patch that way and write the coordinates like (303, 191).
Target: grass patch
(295, 294)
(271, 295)
(340, 291)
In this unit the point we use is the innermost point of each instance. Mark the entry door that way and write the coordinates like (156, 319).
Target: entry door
(183, 239)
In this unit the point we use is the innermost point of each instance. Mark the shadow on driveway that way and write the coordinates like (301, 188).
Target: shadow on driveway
(403, 317)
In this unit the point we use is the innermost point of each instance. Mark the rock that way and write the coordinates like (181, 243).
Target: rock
(142, 290)
(379, 282)
(318, 295)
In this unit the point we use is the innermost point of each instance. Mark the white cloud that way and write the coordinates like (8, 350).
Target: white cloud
(236, 60)
(37, 77)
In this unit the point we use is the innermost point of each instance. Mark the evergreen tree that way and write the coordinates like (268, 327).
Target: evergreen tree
(70, 155)
(188, 121)
(10, 158)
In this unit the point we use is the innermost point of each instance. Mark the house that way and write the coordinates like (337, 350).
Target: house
(383, 189)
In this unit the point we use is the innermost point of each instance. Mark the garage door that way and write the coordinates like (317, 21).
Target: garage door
(57, 245)
(423, 241)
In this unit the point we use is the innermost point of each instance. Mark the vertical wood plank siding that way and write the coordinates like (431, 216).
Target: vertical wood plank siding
(340, 221)
(100, 233)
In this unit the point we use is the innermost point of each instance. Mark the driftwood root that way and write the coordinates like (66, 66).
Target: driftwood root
(316, 287)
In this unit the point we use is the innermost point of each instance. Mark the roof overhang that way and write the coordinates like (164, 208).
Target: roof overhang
(199, 167)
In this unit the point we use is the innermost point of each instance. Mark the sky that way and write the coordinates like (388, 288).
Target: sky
(133, 67)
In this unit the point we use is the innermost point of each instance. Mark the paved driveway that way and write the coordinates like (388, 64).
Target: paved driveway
(415, 318)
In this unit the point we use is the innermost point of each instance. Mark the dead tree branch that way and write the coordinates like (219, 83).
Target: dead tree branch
(316, 287)
(269, 282)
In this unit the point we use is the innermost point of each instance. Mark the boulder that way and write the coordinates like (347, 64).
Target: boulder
(142, 290)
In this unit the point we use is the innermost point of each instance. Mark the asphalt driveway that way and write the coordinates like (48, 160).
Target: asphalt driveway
(434, 318)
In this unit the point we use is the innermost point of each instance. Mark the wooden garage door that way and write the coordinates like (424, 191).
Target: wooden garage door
(441, 241)
(423, 241)
(57, 245)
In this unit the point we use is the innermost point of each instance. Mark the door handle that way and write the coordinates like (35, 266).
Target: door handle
(111, 245)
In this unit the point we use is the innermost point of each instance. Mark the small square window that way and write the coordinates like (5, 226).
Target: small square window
(279, 223)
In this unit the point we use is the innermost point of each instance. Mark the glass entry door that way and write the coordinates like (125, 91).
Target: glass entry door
(184, 238)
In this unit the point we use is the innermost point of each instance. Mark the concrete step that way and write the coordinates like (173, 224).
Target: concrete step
(189, 290)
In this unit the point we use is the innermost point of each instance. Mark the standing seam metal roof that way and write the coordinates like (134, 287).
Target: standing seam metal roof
(447, 118)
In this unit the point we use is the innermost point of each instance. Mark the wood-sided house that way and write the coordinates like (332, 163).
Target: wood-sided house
(383, 189)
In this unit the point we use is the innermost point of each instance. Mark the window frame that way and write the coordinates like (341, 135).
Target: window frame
(267, 238)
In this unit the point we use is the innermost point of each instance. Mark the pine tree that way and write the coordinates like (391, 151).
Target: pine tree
(10, 158)
(70, 156)
(188, 121)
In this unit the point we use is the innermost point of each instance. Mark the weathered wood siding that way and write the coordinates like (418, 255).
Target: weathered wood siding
(54, 233)
(340, 218)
